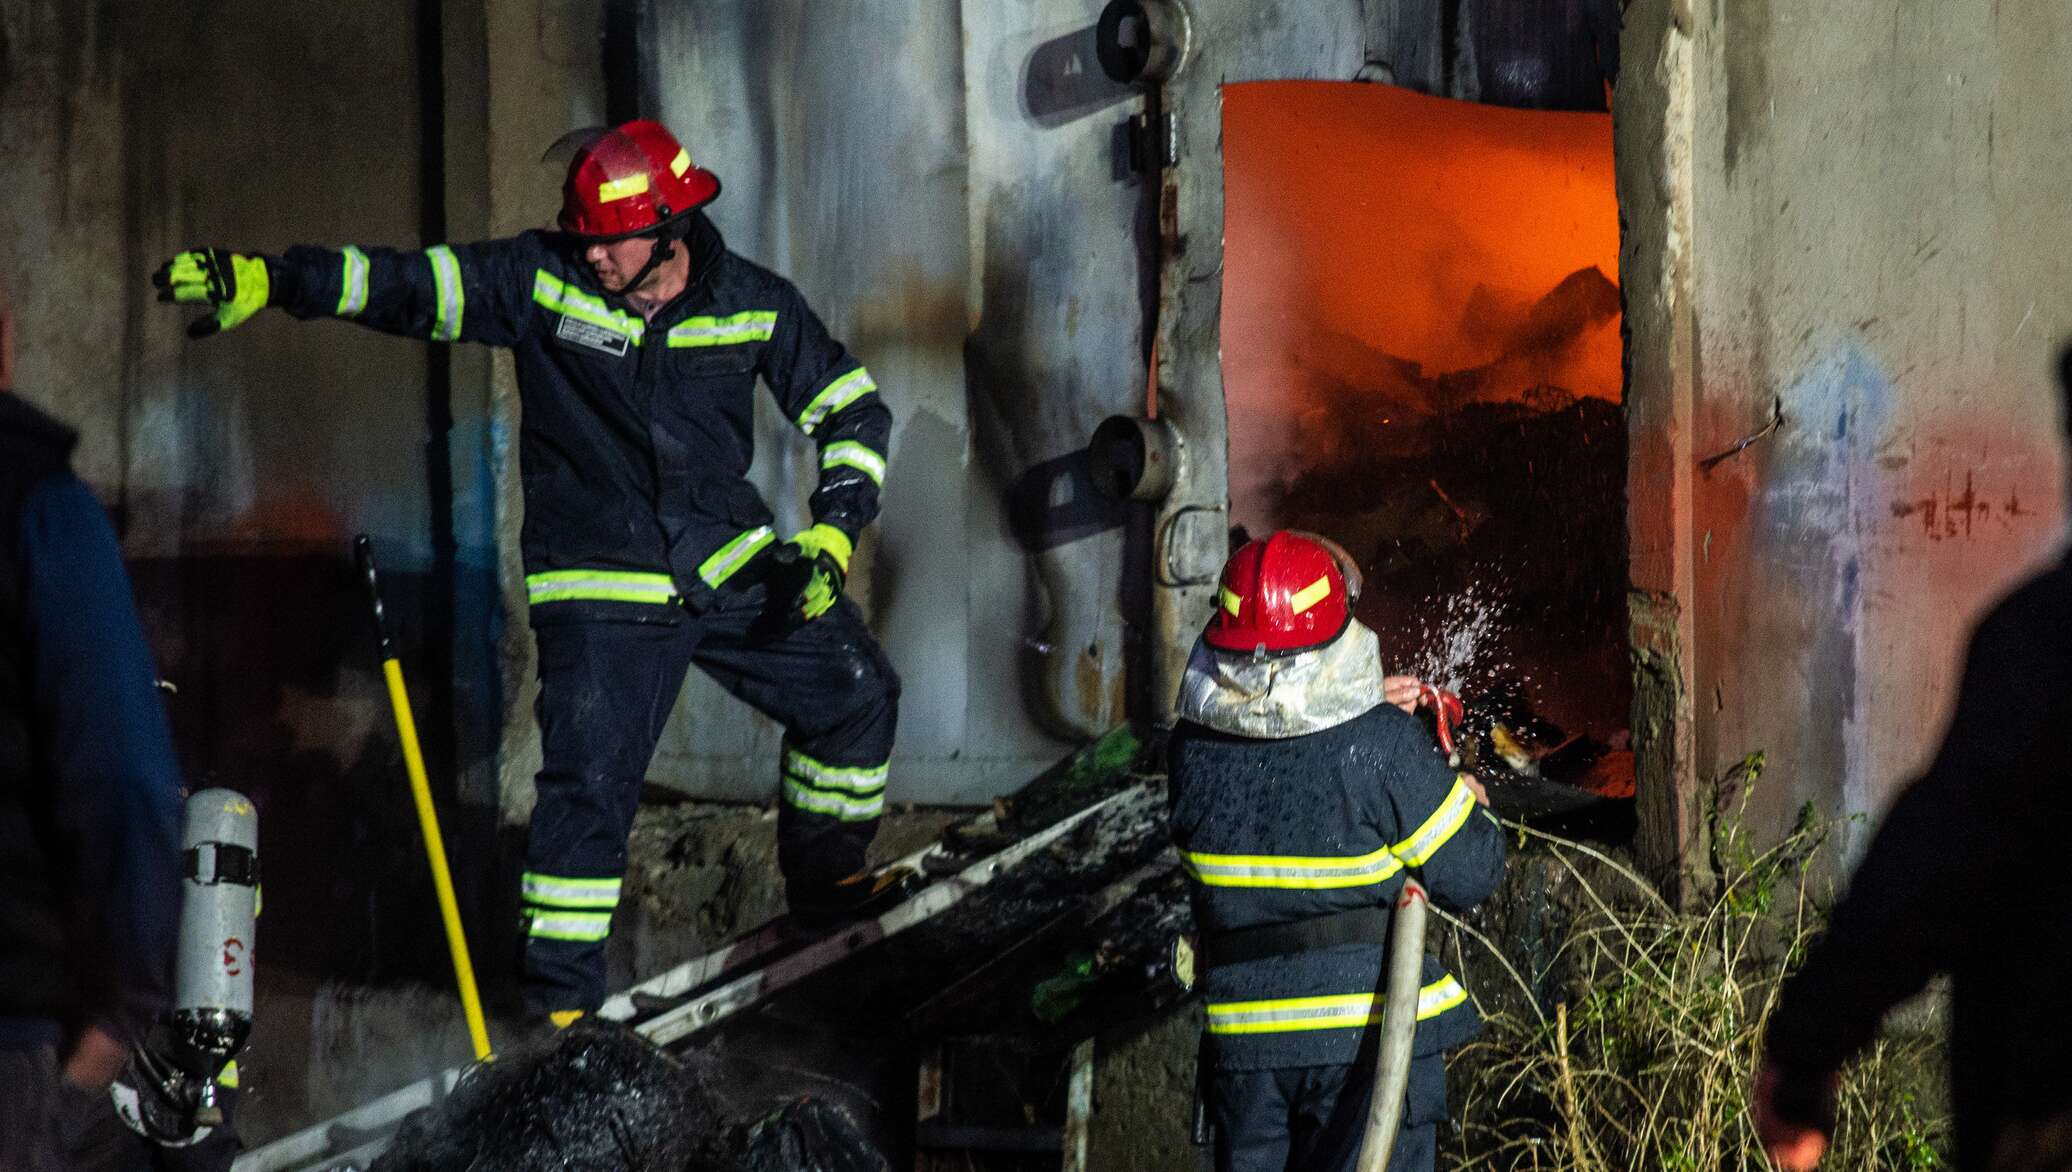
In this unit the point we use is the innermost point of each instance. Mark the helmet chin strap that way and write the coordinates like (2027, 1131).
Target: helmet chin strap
(663, 250)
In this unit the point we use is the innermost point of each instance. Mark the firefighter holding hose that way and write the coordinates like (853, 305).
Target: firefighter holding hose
(639, 339)
(1304, 796)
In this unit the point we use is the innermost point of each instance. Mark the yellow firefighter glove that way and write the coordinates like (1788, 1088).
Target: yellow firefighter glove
(236, 284)
(826, 549)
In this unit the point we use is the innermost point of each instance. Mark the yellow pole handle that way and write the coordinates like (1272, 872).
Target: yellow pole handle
(435, 850)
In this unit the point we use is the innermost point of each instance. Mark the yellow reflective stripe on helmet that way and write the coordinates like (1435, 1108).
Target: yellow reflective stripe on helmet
(563, 298)
(1232, 603)
(854, 455)
(446, 287)
(1347, 1011)
(729, 558)
(837, 395)
(841, 806)
(1296, 872)
(617, 189)
(583, 927)
(681, 163)
(599, 586)
(755, 325)
(855, 778)
(1440, 828)
(560, 891)
(352, 284)
(1311, 594)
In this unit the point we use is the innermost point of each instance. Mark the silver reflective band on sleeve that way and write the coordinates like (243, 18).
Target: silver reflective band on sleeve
(1297, 872)
(755, 325)
(854, 455)
(729, 558)
(557, 891)
(563, 298)
(1348, 1011)
(837, 395)
(583, 927)
(599, 586)
(446, 286)
(352, 292)
(1440, 828)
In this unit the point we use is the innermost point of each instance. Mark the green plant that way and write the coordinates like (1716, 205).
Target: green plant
(1635, 1041)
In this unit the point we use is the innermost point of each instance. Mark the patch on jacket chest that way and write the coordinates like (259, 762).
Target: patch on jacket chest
(591, 337)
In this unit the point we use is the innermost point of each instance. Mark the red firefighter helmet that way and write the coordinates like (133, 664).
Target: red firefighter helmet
(629, 179)
(1285, 593)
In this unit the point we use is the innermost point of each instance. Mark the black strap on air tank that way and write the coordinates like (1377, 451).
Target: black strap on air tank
(1362, 925)
(222, 862)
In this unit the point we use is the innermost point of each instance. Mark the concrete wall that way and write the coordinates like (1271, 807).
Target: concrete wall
(943, 188)
(1848, 215)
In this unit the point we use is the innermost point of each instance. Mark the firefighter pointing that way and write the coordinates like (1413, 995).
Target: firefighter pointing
(639, 339)
(1302, 799)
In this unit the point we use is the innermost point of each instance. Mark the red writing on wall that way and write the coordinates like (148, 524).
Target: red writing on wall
(1950, 513)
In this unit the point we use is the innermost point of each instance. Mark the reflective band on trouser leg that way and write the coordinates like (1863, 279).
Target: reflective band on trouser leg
(599, 586)
(1297, 872)
(565, 299)
(1350, 1011)
(837, 395)
(1440, 828)
(583, 927)
(756, 325)
(558, 891)
(446, 286)
(352, 291)
(848, 792)
(726, 561)
(854, 455)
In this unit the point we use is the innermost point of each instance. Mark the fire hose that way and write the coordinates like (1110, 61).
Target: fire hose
(1405, 976)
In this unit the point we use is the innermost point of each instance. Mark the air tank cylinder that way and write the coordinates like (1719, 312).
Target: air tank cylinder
(219, 908)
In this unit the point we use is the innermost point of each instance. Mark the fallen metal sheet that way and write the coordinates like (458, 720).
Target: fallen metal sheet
(354, 1138)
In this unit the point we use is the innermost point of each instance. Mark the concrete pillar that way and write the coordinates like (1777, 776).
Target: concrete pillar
(1652, 112)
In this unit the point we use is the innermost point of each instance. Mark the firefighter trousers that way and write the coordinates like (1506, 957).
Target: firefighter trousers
(1312, 1118)
(605, 691)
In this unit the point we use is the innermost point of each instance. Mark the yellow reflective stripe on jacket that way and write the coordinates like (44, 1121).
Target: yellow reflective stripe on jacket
(599, 586)
(729, 558)
(564, 298)
(446, 286)
(352, 283)
(841, 806)
(583, 927)
(837, 395)
(561, 891)
(1347, 1011)
(1315, 873)
(1299, 872)
(854, 455)
(755, 325)
(1440, 828)
(227, 1077)
(859, 779)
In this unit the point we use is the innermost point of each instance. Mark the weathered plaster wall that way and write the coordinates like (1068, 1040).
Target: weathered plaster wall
(1850, 215)
(942, 186)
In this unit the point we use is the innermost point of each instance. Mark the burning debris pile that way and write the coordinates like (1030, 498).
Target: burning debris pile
(599, 1096)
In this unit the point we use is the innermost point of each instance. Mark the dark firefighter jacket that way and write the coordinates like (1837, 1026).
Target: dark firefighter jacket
(89, 790)
(637, 435)
(1967, 875)
(1274, 831)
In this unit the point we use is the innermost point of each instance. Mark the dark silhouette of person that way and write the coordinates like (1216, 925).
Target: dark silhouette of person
(1968, 875)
